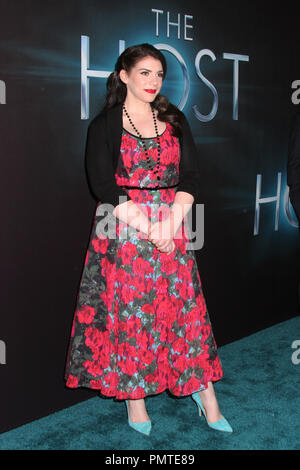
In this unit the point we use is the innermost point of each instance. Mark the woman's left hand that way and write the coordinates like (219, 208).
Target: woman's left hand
(161, 233)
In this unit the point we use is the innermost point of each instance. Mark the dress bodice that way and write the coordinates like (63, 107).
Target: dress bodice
(132, 168)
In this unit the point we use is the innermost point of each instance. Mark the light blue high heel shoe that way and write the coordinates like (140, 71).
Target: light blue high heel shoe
(220, 425)
(144, 427)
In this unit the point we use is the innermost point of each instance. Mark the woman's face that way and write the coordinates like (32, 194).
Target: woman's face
(147, 74)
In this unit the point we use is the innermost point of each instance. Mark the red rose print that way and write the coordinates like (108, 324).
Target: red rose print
(140, 266)
(181, 363)
(86, 314)
(100, 245)
(170, 266)
(128, 366)
(191, 386)
(129, 252)
(72, 381)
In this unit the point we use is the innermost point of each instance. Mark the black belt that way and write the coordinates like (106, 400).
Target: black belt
(157, 187)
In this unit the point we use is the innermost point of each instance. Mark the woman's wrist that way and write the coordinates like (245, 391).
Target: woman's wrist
(129, 213)
(176, 218)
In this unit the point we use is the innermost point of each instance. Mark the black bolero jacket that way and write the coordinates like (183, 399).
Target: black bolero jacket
(102, 150)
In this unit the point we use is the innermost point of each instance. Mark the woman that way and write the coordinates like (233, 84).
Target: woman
(141, 325)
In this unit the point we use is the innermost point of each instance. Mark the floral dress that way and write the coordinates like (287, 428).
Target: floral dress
(141, 325)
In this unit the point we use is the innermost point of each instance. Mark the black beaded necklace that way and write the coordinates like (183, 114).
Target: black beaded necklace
(142, 139)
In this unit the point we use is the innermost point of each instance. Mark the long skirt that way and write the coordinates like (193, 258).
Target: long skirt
(141, 324)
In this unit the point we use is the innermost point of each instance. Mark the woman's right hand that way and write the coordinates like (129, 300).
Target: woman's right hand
(162, 229)
(169, 248)
(173, 247)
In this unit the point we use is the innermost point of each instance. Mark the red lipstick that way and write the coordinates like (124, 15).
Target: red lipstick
(151, 91)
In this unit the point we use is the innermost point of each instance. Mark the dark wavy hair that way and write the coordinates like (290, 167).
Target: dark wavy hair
(117, 90)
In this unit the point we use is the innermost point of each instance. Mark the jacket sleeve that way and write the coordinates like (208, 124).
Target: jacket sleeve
(188, 165)
(293, 165)
(99, 165)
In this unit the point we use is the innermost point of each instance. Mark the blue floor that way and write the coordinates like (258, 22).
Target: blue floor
(259, 395)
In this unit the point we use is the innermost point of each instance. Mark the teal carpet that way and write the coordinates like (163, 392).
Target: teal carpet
(259, 395)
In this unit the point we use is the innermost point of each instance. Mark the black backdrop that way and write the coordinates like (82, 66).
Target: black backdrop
(250, 281)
